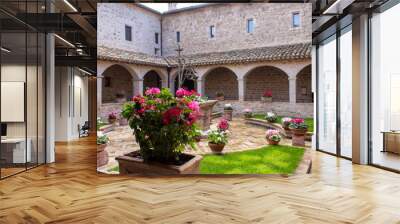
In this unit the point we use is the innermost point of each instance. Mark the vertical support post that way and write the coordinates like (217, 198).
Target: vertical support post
(200, 88)
(241, 89)
(292, 89)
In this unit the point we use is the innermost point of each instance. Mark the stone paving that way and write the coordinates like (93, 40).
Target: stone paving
(242, 137)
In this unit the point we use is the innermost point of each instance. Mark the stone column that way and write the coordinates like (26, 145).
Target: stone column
(138, 87)
(200, 86)
(292, 89)
(99, 90)
(241, 89)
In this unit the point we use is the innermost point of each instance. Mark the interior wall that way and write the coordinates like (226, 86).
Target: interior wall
(71, 102)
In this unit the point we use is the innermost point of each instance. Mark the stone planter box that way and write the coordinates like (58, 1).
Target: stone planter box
(228, 114)
(206, 109)
(266, 99)
(102, 155)
(298, 136)
(132, 164)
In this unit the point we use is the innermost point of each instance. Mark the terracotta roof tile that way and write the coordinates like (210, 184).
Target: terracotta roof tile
(274, 53)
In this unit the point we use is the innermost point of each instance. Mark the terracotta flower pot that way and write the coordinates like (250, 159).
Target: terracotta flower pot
(102, 155)
(197, 138)
(272, 142)
(216, 148)
(132, 163)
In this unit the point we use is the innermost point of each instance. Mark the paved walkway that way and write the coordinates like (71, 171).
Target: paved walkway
(242, 137)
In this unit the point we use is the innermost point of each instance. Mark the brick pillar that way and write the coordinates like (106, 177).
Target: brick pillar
(241, 89)
(200, 86)
(138, 87)
(292, 90)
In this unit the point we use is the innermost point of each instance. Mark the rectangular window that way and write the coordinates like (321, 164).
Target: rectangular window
(250, 26)
(178, 36)
(296, 19)
(156, 38)
(128, 33)
(156, 51)
(212, 31)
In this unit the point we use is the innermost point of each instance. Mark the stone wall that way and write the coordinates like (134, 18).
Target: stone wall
(273, 26)
(221, 80)
(116, 80)
(304, 86)
(107, 108)
(111, 27)
(281, 108)
(262, 79)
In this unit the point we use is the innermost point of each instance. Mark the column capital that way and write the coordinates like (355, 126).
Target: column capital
(292, 77)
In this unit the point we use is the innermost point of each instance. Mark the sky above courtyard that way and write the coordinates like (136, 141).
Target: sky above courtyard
(162, 7)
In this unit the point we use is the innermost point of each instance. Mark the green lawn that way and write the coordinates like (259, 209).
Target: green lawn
(308, 121)
(265, 160)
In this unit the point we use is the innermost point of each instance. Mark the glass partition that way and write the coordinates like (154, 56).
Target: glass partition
(385, 89)
(22, 101)
(346, 92)
(326, 119)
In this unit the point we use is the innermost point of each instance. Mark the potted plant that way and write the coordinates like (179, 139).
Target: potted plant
(271, 117)
(298, 129)
(120, 97)
(217, 139)
(102, 154)
(112, 117)
(220, 96)
(273, 137)
(228, 111)
(286, 122)
(267, 96)
(248, 113)
(197, 136)
(163, 126)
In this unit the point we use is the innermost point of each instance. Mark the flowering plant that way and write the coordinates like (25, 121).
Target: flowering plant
(228, 106)
(163, 124)
(217, 137)
(102, 139)
(273, 135)
(271, 117)
(112, 115)
(223, 125)
(267, 93)
(286, 121)
(248, 113)
(298, 123)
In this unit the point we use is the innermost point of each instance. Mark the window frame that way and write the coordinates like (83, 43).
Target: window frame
(178, 36)
(248, 28)
(294, 24)
(128, 35)
(156, 38)
(212, 31)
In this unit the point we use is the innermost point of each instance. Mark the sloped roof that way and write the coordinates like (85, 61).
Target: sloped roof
(273, 53)
(118, 55)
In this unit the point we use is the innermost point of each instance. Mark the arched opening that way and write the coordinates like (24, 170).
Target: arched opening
(188, 84)
(221, 80)
(151, 79)
(303, 86)
(261, 79)
(117, 84)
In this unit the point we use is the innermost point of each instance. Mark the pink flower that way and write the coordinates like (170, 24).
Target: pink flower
(223, 125)
(152, 91)
(194, 106)
(181, 92)
(298, 120)
(191, 118)
(271, 132)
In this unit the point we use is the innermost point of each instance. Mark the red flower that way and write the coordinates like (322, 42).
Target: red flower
(223, 125)
(298, 120)
(172, 114)
(267, 93)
